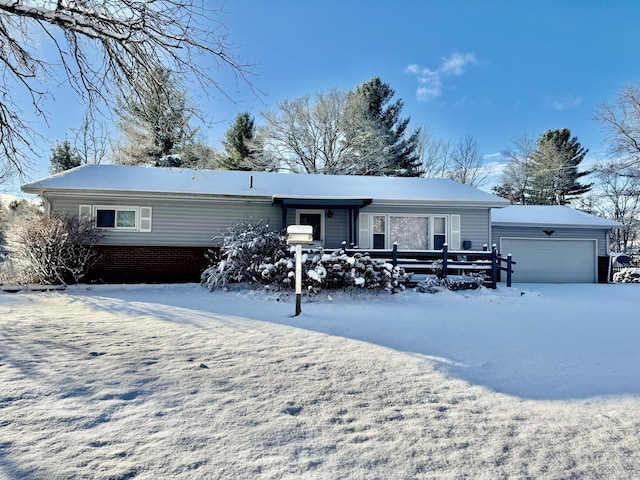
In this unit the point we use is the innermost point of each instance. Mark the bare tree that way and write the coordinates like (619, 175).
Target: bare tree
(92, 140)
(616, 197)
(327, 134)
(103, 47)
(467, 165)
(517, 173)
(434, 153)
(621, 120)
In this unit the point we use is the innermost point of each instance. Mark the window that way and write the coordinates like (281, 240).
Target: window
(410, 232)
(119, 218)
(379, 231)
(439, 232)
(115, 218)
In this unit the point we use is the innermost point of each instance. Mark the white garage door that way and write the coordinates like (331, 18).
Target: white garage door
(551, 261)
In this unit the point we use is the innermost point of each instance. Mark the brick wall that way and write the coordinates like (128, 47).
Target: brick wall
(603, 270)
(148, 264)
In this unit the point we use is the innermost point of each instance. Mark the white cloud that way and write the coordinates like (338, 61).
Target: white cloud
(456, 63)
(413, 68)
(430, 81)
(565, 102)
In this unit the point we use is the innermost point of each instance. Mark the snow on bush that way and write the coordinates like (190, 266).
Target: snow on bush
(627, 275)
(245, 247)
(335, 271)
(252, 253)
(53, 250)
(454, 283)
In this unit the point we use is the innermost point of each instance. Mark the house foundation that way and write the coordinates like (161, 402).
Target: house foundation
(149, 264)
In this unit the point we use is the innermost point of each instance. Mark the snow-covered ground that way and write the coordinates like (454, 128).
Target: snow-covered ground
(149, 382)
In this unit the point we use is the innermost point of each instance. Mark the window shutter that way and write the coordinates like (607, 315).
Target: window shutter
(454, 241)
(364, 238)
(145, 219)
(85, 212)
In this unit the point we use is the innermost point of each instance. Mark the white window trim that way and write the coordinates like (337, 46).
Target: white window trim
(144, 216)
(121, 208)
(431, 216)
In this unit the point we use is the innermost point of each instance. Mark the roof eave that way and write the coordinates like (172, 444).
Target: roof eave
(552, 224)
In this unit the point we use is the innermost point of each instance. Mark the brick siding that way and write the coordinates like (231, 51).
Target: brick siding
(148, 264)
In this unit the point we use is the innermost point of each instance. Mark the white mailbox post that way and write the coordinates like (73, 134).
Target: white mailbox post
(299, 235)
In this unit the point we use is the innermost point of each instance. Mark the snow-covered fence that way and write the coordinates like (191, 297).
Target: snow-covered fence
(446, 262)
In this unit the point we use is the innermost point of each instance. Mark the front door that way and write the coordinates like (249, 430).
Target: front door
(315, 218)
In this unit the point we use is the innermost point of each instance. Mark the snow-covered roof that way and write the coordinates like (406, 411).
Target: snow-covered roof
(536, 215)
(121, 179)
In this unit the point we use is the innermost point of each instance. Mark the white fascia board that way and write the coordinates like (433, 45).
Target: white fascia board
(152, 195)
(603, 226)
(436, 203)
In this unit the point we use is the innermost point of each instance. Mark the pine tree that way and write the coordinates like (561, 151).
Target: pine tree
(155, 124)
(402, 151)
(554, 169)
(63, 157)
(240, 143)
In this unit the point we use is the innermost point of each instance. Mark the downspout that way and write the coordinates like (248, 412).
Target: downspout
(351, 243)
(610, 258)
(47, 204)
(356, 223)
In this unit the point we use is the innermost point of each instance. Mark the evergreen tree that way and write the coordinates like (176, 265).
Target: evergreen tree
(402, 151)
(155, 124)
(240, 143)
(63, 157)
(554, 169)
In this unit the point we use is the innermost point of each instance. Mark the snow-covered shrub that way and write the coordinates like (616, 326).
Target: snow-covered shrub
(627, 275)
(334, 271)
(245, 247)
(455, 283)
(50, 250)
(250, 252)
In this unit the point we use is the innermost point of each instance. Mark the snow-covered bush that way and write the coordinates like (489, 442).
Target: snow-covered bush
(455, 283)
(250, 252)
(627, 275)
(334, 271)
(49, 250)
(245, 247)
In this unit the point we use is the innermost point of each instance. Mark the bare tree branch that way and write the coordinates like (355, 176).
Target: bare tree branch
(103, 47)
(621, 120)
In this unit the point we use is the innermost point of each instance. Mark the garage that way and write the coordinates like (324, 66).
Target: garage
(552, 260)
(553, 244)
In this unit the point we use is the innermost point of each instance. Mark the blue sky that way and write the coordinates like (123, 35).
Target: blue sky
(492, 69)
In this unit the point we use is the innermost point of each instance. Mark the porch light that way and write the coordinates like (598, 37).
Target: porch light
(299, 235)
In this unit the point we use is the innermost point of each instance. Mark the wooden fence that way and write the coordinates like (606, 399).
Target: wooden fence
(458, 262)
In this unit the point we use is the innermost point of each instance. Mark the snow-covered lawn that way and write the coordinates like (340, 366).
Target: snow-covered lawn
(150, 382)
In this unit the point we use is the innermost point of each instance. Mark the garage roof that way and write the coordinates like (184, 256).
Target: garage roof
(548, 215)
